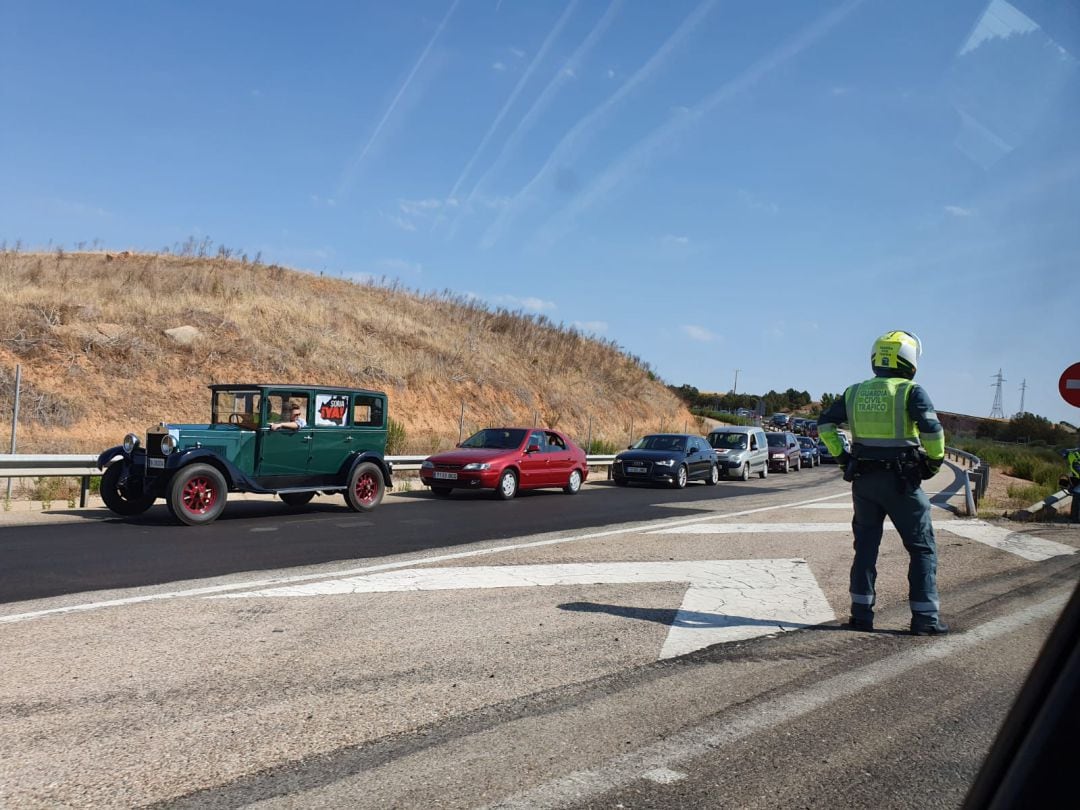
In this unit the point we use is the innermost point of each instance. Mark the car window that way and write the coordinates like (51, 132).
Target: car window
(775, 439)
(554, 442)
(536, 439)
(332, 409)
(754, 442)
(236, 408)
(728, 441)
(367, 411)
(280, 404)
(495, 439)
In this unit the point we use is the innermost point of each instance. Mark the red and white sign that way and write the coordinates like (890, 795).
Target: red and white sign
(1069, 385)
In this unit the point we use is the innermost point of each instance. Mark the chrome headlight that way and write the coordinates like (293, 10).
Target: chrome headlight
(427, 465)
(131, 441)
(477, 465)
(665, 462)
(168, 444)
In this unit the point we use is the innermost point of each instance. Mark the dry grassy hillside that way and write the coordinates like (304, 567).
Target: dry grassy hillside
(90, 332)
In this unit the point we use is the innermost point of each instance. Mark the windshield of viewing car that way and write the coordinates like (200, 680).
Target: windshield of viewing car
(776, 439)
(495, 439)
(236, 407)
(728, 441)
(676, 444)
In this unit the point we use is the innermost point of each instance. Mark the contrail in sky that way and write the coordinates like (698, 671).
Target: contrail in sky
(354, 164)
(562, 75)
(570, 141)
(635, 158)
(540, 54)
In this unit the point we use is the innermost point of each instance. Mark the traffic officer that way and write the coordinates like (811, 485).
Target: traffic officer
(897, 442)
(1073, 461)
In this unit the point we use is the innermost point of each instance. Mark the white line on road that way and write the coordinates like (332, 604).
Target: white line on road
(581, 786)
(460, 555)
(1018, 543)
(759, 528)
(727, 600)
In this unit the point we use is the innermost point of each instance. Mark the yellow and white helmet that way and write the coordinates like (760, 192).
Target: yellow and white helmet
(896, 351)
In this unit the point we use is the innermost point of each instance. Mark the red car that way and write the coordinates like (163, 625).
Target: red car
(506, 460)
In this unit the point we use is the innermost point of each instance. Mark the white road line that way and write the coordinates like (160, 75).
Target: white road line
(727, 600)
(1018, 543)
(461, 555)
(846, 506)
(581, 786)
(663, 776)
(761, 528)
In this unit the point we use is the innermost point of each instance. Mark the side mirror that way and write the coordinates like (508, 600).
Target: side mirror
(532, 448)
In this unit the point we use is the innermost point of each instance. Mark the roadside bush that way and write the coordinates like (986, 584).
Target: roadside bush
(395, 437)
(601, 447)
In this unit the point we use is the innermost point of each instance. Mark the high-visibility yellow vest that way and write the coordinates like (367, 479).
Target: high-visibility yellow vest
(877, 413)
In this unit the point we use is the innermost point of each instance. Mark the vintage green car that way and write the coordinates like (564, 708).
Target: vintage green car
(294, 441)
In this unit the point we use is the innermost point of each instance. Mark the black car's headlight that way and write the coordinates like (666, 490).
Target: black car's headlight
(131, 441)
(665, 462)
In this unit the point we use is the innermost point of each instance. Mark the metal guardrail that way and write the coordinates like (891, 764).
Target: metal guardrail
(21, 465)
(976, 477)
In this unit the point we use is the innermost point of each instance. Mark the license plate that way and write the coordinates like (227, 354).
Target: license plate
(446, 476)
(635, 469)
(159, 463)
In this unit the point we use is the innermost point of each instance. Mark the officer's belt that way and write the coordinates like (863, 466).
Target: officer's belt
(865, 465)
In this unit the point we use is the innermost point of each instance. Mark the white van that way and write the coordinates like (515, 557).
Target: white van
(740, 451)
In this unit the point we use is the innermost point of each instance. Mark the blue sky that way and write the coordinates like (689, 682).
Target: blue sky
(713, 185)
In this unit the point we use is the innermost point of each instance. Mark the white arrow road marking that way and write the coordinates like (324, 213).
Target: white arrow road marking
(1018, 543)
(727, 600)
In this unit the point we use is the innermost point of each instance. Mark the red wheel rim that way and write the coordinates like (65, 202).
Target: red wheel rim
(366, 488)
(199, 495)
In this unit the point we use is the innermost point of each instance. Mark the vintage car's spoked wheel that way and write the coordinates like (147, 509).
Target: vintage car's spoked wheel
(197, 494)
(574, 484)
(296, 498)
(366, 488)
(115, 494)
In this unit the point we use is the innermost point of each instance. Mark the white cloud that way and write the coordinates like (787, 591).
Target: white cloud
(529, 303)
(699, 333)
(321, 202)
(569, 73)
(401, 222)
(415, 207)
(755, 203)
(498, 66)
(596, 327)
(611, 73)
(680, 241)
(517, 52)
(839, 90)
(958, 211)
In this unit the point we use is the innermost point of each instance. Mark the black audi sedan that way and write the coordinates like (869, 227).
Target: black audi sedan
(669, 458)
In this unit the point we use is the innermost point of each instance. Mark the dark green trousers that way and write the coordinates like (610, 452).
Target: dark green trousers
(878, 495)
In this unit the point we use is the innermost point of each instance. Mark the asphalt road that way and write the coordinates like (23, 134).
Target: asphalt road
(106, 552)
(520, 654)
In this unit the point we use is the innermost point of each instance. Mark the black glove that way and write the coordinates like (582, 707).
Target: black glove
(843, 459)
(929, 467)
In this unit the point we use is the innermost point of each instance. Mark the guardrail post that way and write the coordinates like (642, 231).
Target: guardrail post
(967, 494)
(84, 491)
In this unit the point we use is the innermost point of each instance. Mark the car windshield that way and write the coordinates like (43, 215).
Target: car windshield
(236, 407)
(676, 444)
(807, 443)
(728, 441)
(496, 439)
(776, 439)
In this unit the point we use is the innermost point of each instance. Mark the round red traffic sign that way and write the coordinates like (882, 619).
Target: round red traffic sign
(1069, 385)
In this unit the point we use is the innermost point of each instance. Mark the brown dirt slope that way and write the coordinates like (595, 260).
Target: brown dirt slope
(89, 330)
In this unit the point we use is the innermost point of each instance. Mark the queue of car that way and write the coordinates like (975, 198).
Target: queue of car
(297, 441)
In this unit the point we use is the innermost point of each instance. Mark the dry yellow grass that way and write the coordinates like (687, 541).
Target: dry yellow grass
(89, 331)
